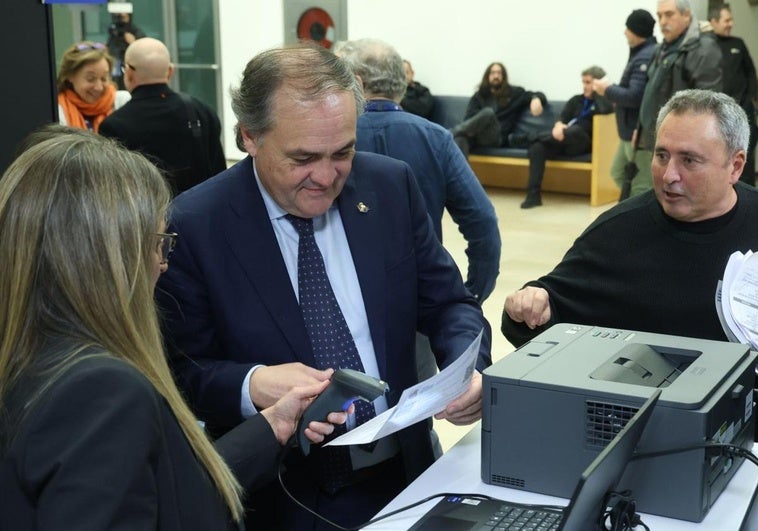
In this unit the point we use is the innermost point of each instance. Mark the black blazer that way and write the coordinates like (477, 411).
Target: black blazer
(102, 450)
(154, 122)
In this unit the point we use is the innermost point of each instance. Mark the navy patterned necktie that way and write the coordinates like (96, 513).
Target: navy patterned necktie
(331, 340)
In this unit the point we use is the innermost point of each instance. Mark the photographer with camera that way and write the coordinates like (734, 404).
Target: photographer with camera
(121, 33)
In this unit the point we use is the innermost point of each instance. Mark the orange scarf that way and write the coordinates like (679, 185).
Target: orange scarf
(76, 108)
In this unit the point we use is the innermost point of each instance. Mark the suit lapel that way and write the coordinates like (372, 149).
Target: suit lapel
(253, 244)
(362, 221)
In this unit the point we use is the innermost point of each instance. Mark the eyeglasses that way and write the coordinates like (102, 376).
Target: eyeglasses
(125, 66)
(90, 46)
(167, 244)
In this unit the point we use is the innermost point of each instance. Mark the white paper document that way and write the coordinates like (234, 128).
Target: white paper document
(738, 298)
(418, 402)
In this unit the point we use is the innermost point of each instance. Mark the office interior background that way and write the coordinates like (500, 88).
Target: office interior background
(544, 44)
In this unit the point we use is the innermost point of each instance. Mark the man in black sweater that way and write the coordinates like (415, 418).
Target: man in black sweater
(652, 263)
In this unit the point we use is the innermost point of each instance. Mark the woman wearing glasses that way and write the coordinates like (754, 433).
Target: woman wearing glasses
(93, 431)
(86, 94)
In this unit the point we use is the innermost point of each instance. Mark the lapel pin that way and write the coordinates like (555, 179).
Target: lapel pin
(362, 207)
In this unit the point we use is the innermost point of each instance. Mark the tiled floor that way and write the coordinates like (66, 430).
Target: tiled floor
(534, 241)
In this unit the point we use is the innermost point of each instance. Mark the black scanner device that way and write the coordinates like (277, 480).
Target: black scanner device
(346, 386)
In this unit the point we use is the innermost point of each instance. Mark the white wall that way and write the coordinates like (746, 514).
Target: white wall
(544, 44)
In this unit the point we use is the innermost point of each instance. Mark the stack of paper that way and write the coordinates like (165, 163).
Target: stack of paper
(737, 299)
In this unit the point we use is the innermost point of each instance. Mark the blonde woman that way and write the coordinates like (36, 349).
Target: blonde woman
(86, 93)
(93, 432)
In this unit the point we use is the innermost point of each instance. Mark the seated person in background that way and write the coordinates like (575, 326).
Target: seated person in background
(652, 263)
(571, 134)
(180, 134)
(93, 430)
(445, 178)
(86, 94)
(417, 100)
(494, 111)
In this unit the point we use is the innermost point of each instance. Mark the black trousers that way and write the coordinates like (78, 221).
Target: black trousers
(576, 142)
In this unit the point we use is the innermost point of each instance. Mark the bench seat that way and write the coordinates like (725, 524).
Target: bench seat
(587, 174)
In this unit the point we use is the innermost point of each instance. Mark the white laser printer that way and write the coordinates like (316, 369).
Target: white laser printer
(552, 405)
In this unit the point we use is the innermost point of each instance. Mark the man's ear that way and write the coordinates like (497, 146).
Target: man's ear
(737, 166)
(170, 71)
(251, 144)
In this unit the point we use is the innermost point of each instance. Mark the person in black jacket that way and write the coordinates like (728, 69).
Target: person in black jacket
(494, 111)
(626, 96)
(417, 99)
(739, 76)
(571, 135)
(180, 134)
(94, 433)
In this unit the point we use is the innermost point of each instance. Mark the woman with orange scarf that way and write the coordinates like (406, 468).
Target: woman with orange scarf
(86, 94)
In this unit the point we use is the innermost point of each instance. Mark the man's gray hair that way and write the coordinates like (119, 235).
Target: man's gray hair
(379, 66)
(681, 5)
(732, 120)
(595, 72)
(306, 71)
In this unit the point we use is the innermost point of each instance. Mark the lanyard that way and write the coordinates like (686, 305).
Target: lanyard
(381, 106)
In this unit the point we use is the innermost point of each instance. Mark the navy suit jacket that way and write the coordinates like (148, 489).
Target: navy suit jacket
(228, 302)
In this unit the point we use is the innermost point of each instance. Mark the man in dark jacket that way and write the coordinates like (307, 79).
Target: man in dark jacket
(683, 60)
(494, 110)
(418, 99)
(180, 134)
(626, 95)
(571, 135)
(739, 76)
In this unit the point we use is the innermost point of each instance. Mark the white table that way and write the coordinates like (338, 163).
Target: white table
(459, 471)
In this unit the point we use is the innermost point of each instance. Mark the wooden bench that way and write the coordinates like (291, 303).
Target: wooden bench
(579, 175)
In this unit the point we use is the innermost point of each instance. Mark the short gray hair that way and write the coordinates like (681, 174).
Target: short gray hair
(307, 70)
(594, 71)
(732, 120)
(379, 66)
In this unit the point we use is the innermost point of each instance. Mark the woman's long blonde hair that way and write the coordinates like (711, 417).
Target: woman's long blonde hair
(78, 217)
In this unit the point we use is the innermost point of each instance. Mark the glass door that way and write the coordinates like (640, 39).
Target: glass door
(187, 27)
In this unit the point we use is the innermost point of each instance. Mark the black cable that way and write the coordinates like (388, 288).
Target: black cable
(726, 449)
(630, 520)
(291, 443)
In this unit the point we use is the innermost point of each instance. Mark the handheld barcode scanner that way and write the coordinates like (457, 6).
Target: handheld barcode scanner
(346, 387)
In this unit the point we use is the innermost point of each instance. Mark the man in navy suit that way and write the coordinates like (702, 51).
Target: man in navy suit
(234, 327)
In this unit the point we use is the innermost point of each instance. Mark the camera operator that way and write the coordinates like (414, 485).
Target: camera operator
(121, 33)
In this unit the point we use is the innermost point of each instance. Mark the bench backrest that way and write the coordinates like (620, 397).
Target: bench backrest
(450, 110)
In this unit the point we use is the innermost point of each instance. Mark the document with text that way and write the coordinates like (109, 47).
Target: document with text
(420, 401)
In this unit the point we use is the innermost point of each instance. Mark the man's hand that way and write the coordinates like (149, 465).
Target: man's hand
(535, 106)
(129, 37)
(600, 85)
(283, 416)
(467, 408)
(558, 130)
(270, 383)
(530, 305)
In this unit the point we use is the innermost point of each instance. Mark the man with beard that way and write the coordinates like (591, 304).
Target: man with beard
(494, 110)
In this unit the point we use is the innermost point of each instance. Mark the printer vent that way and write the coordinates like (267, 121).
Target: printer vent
(604, 421)
(507, 481)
